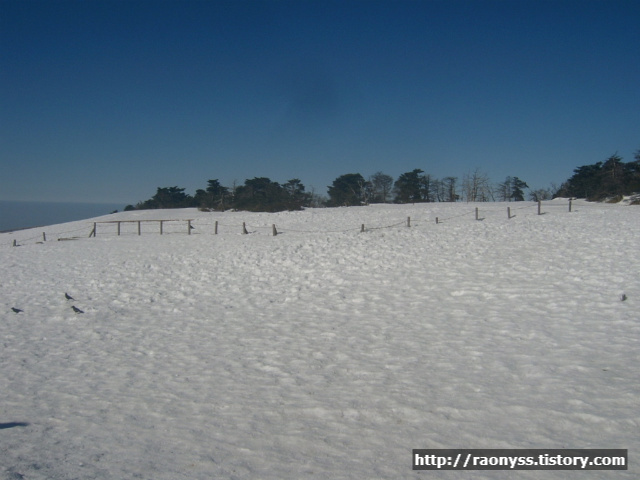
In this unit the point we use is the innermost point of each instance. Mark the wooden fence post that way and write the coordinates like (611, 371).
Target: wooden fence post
(362, 228)
(93, 232)
(139, 228)
(215, 231)
(509, 213)
(189, 226)
(408, 221)
(244, 228)
(539, 207)
(569, 205)
(44, 237)
(161, 222)
(118, 228)
(14, 243)
(476, 213)
(436, 220)
(274, 231)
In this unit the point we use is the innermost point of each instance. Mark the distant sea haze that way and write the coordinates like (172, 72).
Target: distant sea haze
(15, 215)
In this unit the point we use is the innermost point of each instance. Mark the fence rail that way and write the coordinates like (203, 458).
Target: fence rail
(118, 223)
(190, 225)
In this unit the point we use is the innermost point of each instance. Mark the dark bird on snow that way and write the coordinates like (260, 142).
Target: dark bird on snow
(76, 309)
(16, 310)
(68, 297)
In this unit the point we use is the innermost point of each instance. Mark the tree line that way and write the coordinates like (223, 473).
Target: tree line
(259, 194)
(594, 182)
(611, 179)
(264, 195)
(417, 186)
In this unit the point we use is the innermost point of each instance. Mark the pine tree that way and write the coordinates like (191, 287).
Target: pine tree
(517, 195)
(346, 190)
(409, 187)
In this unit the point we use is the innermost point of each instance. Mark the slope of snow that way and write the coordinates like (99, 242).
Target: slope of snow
(321, 352)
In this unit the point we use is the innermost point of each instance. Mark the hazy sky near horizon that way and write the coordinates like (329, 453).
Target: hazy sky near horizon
(106, 100)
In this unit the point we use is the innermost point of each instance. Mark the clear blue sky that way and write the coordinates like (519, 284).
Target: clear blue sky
(104, 101)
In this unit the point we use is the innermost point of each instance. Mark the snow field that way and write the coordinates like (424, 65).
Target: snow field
(329, 354)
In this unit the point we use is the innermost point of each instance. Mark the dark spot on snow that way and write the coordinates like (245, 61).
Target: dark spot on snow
(15, 476)
(13, 424)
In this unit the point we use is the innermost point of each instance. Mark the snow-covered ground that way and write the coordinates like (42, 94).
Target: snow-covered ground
(322, 352)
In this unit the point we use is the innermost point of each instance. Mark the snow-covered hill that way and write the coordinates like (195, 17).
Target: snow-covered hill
(322, 352)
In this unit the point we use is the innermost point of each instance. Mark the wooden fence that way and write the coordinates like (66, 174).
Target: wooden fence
(139, 223)
(189, 227)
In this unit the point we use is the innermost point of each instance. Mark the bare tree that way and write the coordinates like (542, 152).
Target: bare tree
(381, 185)
(316, 200)
(366, 191)
(449, 184)
(427, 186)
(438, 190)
(540, 195)
(504, 190)
(476, 187)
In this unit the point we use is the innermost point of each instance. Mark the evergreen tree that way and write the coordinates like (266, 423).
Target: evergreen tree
(219, 194)
(409, 187)
(632, 175)
(612, 176)
(346, 190)
(215, 197)
(601, 180)
(517, 195)
(168, 197)
(296, 197)
(260, 194)
(583, 183)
